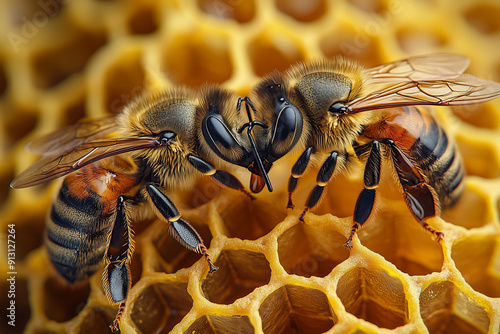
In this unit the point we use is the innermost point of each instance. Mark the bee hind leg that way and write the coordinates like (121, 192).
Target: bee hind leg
(420, 197)
(423, 203)
(116, 277)
(181, 230)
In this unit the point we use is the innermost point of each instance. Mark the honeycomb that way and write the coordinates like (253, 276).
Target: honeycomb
(61, 61)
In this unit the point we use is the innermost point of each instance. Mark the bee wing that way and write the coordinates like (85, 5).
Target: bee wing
(464, 89)
(51, 166)
(420, 68)
(70, 137)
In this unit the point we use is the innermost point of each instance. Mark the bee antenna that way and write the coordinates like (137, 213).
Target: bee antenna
(256, 155)
(238, 106)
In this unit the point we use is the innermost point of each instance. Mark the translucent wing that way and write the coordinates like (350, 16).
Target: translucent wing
(421, 68)
(70, 137)
(463, 89)
(50, 167)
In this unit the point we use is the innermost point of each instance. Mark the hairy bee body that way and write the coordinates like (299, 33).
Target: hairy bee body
(117, 166)
(80, 220)
(373, 112)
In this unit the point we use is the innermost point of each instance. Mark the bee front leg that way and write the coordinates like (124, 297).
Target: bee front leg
(297, 170)
(324, 175)
(224, 178)
(421, 198)
(182, 231)
(116, 277)
(366, 199)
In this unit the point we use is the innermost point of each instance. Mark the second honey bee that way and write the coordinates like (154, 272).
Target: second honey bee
(120, 166)
(335, 109)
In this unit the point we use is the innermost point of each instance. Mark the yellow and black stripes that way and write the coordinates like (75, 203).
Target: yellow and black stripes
(76, 234)
(437, 157)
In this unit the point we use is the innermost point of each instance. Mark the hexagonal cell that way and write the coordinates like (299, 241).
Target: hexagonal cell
(214, 324)
(361, 46)
(303, 11)
(74, 111)
(97, 320)
(447, 309)
(161, 306)
(200, 56)
(240, 11)
(142, 20)
(484, 17)
(63, 301)
(118, 92)
(273, 50)
(375, 296)
(20, 313)
(18, 122)
(307, 250)
(247, 219)
(340, 196)
(240, 272)
(65, 56)
(475, 258)
(480, 156)
(201, 193)
(471, 209)
(401, 240)
(480, 115)
(296, 309)
(173, 255)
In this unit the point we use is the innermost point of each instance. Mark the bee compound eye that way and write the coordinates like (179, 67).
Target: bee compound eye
(338, 108)
(221, 140)
(287, 130)
(166, 137)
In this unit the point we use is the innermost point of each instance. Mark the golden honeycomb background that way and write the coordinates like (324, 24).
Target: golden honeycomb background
(61, 61)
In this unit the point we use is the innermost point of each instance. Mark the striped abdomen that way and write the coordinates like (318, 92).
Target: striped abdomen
(80, 220)
(425, 142)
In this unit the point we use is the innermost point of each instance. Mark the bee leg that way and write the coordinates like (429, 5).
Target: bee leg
(366, 199)
(224, 178)
(421, 198)
(297, 170)
(116, 277)
(182, 231)
(324, 175)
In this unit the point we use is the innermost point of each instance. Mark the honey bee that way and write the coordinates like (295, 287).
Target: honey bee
(122, 165)
(336, 110)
